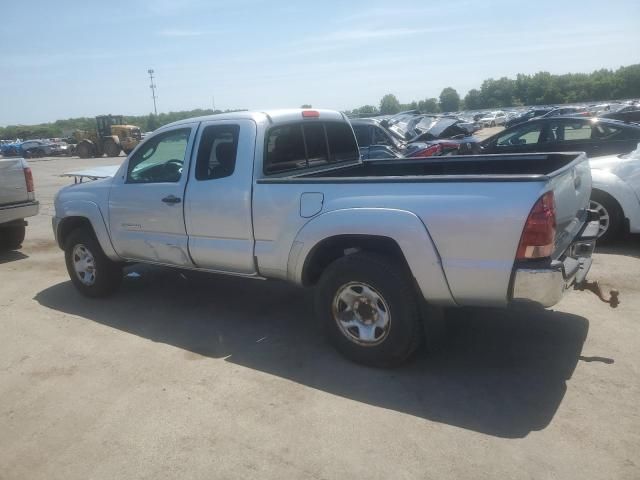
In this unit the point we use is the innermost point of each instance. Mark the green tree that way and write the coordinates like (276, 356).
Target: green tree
(365, 110)
(389, 104)
(306, 105)
(428, 105)
(152, 123)
(498, 93)
(473, 100)
(449, 100)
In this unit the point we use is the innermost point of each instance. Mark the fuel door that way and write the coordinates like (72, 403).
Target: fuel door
(311, 204)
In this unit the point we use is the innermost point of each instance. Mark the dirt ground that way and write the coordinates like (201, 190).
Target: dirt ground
(191, 376)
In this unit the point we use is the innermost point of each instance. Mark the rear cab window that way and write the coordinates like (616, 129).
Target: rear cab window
(308, 144)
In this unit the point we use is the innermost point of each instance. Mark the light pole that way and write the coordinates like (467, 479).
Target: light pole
(153, 90)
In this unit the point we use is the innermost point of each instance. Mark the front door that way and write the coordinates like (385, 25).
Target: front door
(146, 205)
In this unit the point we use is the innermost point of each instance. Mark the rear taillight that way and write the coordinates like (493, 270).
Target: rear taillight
(539, 234)
(428, 152)
(310, 114)
(28, 178)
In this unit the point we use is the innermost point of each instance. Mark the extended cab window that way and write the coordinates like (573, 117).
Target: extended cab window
(302, 145)
(217, 152)
(160, 159)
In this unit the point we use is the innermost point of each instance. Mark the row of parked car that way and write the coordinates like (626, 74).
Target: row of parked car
(35, 148)
(607, 140)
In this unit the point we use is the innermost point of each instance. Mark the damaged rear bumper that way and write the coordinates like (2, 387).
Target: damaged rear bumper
(545, 282)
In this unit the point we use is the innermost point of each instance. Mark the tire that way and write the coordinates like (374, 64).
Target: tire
(394, 300)
(612, 217)
(493, 124)
(84, 150)
(111, 148)
(101, 276)
(11, 238)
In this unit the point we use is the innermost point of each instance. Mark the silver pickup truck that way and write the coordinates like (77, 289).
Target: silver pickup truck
(284, 195)
(17, 201)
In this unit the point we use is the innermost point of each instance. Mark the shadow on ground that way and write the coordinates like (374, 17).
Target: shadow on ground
(628, 245)
(499, 372)
(11, 256)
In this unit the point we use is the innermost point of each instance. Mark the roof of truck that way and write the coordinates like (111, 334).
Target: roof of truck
(273, 116)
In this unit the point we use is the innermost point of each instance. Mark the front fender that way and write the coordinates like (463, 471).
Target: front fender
(610, 183)
(85, 209)
(405, 228)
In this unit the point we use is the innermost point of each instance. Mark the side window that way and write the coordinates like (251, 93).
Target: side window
(379, 138)
(567, 131)
(160, 159)
(601, 131)
(217, 152)
(525, 135)
(362, 135)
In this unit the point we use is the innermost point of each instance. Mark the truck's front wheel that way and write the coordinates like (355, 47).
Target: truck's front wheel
(370, 309)
(90, 270)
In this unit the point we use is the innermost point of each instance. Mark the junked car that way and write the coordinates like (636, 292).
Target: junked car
(595, 136)
(493, 119)
(284, 194)
(629, 113)
(616, 194)
(526, 116)
(430, 139)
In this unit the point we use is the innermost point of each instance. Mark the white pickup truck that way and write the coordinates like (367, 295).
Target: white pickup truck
(284, 195)
(17, 201)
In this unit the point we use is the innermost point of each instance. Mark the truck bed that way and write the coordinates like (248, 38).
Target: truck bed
(521, 167)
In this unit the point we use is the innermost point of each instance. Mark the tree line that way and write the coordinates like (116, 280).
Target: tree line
(542, 88)
(60, 128)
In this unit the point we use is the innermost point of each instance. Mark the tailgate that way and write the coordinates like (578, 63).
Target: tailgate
(572, 188)
(13, 186)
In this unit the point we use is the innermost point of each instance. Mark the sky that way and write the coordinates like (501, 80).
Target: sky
(62, 59)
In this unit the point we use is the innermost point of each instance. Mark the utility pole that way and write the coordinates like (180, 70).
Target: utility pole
(153, 90)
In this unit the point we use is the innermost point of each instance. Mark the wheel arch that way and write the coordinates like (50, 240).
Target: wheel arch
(396, 233)
(80, 214)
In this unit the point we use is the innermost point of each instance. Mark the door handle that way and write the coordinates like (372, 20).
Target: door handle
(171, 199)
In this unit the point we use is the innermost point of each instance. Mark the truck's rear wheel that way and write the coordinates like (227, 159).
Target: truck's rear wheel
(111, 148)
(90, 270)
(370, 309)
(84, 150)
(11, 237)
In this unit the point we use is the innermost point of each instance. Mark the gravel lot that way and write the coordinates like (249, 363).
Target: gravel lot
(192, 376)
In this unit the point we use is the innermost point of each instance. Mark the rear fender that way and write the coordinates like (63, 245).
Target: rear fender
(90, 211)
(610, 183)
(405, 228)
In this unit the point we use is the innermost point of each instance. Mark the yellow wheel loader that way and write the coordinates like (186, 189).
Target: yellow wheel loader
(111, 137)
